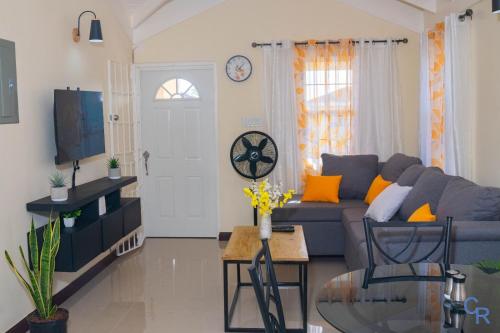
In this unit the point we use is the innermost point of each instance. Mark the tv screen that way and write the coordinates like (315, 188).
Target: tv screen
(79, 124)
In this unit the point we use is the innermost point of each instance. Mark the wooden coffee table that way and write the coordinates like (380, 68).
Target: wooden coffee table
(287, 248)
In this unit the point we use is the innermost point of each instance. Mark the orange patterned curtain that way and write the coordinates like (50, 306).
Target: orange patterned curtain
(436, 93)
(323, 79)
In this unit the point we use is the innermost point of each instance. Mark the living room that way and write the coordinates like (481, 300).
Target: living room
(336, 77)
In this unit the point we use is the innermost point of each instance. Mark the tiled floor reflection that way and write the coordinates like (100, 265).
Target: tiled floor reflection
(175, 285)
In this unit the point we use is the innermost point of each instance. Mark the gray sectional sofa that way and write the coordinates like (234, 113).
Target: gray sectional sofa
(337, 229)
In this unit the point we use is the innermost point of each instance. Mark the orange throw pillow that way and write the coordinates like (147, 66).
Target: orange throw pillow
(322, 188)
(422, 214)
(378, 185)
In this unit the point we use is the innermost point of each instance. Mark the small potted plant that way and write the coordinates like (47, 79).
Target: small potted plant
(47, 318)
(58, 190)
(114, 171)
(69, 218)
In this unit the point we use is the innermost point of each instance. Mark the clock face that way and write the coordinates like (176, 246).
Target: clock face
(238, 68)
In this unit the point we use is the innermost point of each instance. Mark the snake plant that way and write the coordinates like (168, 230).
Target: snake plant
(41, 275)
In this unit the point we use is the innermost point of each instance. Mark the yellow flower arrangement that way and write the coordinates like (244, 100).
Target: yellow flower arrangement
(267, 197)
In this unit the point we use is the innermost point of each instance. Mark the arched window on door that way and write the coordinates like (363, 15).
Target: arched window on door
(177, 89)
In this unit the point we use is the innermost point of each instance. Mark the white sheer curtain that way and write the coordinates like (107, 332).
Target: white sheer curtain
(377, 100)
(281, 112)
(425, 130)
(459, 94)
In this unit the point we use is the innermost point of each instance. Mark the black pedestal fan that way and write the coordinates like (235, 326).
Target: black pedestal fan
(254, 155)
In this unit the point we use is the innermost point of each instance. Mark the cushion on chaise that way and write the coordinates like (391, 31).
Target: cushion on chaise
(396, 165)
(358, 172)
(466, 201)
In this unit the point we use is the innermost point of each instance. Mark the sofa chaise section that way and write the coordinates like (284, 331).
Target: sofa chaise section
(321, 221)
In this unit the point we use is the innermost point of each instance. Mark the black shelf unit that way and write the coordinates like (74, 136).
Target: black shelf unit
(92, 234)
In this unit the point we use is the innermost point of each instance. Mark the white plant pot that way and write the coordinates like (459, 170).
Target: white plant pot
(69, 222)
(115, 173)
(59, 193)
(265, 227)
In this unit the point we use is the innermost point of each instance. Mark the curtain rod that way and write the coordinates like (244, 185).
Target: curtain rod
(403, 40)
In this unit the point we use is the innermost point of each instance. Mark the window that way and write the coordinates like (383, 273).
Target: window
(323, 78)
(177, 89)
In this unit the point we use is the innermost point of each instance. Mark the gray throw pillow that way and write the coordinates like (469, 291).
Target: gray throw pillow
(410, 176)
(396, 165)
(428, 189)
(466, 201)
(358, 172)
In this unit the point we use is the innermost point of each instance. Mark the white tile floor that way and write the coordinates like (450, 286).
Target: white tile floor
(175, 285)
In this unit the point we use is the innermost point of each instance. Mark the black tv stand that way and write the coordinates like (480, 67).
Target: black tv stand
(76, 167)
(92, 234)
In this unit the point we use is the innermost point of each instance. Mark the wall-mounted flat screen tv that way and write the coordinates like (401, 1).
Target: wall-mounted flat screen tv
(79, 124)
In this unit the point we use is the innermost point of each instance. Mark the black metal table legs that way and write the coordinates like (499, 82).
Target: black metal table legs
(229, 308)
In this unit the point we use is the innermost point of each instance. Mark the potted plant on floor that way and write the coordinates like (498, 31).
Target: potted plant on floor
(58, 190)
(69, 218)
(114, 171)
(47, 318)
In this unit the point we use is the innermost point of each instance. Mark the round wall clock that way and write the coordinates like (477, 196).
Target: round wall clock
(238, 68)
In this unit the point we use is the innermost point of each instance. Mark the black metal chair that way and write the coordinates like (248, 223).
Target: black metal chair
(266, 290)
(371, 240)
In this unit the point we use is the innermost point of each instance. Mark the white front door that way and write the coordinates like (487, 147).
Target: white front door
(178, 129)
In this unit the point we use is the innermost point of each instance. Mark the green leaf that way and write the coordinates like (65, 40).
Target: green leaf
(33, 244)
(35, 285)
(19, 276)
(46, 266)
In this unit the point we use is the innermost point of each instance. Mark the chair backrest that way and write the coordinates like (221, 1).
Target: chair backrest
(371, 240)
(266, 290)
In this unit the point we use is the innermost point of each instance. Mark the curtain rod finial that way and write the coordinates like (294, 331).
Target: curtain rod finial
(254, 45)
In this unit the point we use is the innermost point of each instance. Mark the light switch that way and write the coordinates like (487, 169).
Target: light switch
(252, 122)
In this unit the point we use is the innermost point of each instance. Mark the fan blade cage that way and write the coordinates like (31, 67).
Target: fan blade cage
(254, 155)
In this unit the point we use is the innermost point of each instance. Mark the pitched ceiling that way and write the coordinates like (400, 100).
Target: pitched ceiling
(149, 17)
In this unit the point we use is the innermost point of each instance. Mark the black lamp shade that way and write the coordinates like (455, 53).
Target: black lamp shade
(95, 32)
(495, 6)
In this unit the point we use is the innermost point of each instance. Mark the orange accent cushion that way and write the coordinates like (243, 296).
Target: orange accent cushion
(423, 214)
(322, 188)
(378, 185)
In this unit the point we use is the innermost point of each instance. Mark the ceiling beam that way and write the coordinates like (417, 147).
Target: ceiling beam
(427, 5)
(393, 11)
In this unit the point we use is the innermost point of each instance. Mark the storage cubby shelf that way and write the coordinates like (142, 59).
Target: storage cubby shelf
(81, 196)
(92, 233)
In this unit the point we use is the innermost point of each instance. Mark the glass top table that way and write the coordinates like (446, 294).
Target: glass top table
(396, 300)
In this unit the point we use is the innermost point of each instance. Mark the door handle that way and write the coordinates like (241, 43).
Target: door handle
(146, 158)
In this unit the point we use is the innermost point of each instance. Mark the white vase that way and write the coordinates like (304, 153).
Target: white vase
(265, 227)
(59, 193)
(69, 222)
(115, 173)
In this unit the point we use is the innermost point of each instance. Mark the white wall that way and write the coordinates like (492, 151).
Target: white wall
(230, 28)
(47, 59)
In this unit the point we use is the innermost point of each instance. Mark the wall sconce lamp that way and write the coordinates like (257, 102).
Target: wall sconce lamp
(495, 6)
(95, 29)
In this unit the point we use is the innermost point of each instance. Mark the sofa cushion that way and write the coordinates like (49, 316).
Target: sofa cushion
(467, 201)
(428, 189)
(353, 215)
(410, 176)
(396, 165)
(387, 204)
(358, 172)
(297, 211)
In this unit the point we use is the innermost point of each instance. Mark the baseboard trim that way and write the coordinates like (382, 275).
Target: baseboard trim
(69, 290)
(224, 236)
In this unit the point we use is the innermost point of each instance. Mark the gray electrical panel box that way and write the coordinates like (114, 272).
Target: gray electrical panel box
(8, 83)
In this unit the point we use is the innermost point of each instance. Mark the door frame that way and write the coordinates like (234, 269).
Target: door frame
(137, 70)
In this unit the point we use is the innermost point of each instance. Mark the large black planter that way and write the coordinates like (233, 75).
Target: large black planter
(57, 325)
